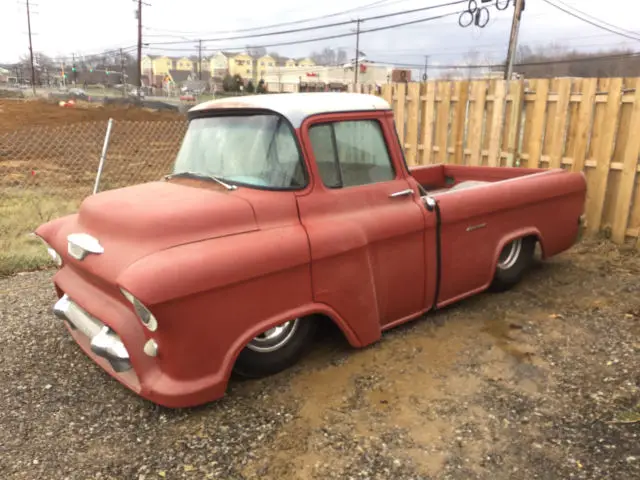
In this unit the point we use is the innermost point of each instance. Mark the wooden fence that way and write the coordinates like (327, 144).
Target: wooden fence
(580, 124)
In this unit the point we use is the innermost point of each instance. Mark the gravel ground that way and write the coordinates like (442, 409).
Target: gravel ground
(539, 382)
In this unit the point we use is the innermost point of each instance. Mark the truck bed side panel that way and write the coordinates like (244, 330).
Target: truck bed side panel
(477, 223)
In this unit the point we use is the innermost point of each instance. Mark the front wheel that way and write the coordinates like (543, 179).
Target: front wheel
(276, 349)
(515, 258)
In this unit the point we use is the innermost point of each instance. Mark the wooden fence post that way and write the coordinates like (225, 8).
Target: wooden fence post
(398, 110)
(603, 152)
(516, 92)
(624, 196)
(426, 121)
(495, 127)
(459, 121)
(476, 114)
(442, 121)
(413, 98)
(559, 125)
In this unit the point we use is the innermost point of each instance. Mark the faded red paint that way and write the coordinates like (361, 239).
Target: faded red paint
(218, 267)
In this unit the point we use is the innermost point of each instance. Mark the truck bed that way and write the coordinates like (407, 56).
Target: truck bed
(442, 178)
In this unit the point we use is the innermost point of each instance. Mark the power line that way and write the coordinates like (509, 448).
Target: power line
(631, 32)
(340, 35)
(283, 24)
(316, 27)
(589, 21)
(522, 64)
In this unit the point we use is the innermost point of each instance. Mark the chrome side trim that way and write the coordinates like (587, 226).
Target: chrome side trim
(81, 244)
(471, 228)
(104, 341)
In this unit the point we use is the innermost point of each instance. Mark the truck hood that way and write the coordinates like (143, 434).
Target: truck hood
(132, 222)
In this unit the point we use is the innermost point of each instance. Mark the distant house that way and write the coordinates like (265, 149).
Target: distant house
(184, 64)
(156, 68)
(219, 64)
(305, 62)
(264, 65)
(242, 64)
(7, 76)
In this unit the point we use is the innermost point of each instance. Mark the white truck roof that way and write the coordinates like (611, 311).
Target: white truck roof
(298, 106)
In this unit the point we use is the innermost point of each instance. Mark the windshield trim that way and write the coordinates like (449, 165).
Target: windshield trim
(247, 112)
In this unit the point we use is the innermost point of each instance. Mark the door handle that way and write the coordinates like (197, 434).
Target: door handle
(402, 193)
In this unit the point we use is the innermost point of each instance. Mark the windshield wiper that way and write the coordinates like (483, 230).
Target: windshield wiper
(202, 175)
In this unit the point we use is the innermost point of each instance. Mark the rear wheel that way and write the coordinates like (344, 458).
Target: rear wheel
(514, 260)
(276, 349)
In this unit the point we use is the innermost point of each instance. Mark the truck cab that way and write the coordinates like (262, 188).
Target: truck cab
(281, 209)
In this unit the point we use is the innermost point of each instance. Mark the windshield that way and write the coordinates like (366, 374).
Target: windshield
(255, 150)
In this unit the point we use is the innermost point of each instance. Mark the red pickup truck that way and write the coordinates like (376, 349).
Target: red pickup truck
(282, 209)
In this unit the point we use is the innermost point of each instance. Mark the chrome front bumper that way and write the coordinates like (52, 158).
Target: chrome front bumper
(104, 341)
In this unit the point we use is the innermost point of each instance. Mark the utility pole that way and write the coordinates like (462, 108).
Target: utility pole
(73, 68)
(199, 59)
(33, 69)
(513, 38)
(355, 73)
(123, 73)
(139, 72)
(425, 77)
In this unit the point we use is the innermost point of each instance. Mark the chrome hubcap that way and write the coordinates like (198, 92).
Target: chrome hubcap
(274, 338)
(510, 254)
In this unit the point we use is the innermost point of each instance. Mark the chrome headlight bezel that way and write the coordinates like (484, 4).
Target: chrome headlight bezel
(55, 256)
(146, 317)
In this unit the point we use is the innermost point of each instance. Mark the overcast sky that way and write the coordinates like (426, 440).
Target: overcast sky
(63, 27)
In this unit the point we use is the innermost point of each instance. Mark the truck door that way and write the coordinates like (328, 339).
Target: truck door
(365, 224)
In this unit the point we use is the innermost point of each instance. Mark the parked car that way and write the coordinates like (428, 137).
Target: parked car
(281, 210)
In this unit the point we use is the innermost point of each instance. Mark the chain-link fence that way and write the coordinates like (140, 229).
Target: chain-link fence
(46, 172)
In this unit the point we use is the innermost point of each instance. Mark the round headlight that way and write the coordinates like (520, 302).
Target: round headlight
(146, 317)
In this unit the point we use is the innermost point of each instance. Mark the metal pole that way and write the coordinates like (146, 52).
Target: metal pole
(139, 69)
(355, 76)
(122, 72)
(199, 59)
(513, 38)
(33, 70)
(103, 157)
(426, 65)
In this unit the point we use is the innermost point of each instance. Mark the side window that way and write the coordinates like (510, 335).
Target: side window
(351, 153)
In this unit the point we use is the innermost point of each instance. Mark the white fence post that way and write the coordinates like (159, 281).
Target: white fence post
(103, 157)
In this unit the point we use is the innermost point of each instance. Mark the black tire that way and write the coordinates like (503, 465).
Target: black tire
(515, 259)
(265, 356)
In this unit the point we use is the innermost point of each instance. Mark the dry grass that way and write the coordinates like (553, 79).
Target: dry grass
(21, 211)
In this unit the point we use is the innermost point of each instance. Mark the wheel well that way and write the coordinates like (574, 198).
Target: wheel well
(329, 323)
(538, 241)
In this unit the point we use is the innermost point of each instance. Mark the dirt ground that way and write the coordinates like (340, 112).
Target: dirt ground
(19, 114)
(540, 382)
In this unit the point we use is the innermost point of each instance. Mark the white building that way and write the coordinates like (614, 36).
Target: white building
(321, 78)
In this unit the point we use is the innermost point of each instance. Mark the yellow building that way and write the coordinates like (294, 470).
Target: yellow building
(306, 62)
(242, 64)
(265, 65)
(184, 64)
(154, 69)
(219, 63)
(290, 63)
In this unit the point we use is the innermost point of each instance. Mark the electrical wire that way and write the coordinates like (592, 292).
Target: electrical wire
(315, 27)
(586, 20)
(293, 22)
(339, 35)
(630, 32)
(522, 64)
